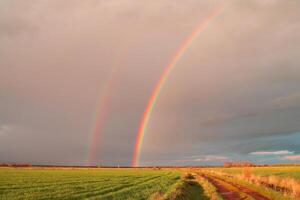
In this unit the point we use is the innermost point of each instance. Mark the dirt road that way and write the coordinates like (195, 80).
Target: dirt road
(233, 191)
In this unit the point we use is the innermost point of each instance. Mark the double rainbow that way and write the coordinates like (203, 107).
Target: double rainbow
(162, 80)
(108, 88)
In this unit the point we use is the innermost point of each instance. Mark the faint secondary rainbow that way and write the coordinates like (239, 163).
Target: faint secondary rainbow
(100, 115)
(105, 98)
(163, 78)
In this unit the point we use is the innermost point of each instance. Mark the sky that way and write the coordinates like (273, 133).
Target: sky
(234, 94)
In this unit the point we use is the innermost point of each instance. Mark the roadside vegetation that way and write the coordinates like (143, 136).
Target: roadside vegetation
(280, 171)
(275, 182)
(187, 188)
(270, 193)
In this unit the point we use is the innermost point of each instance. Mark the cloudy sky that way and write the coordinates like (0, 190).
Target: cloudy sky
(234, 95)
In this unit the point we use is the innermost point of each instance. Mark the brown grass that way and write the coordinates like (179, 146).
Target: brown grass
(157, 196)
(286, 185)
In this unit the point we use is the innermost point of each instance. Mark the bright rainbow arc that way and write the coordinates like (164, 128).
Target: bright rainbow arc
(163, 78)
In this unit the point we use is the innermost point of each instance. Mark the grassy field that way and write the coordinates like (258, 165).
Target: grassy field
(271, 180)
(25, 183)
(265, 191)
(276, 183)
(283, 171)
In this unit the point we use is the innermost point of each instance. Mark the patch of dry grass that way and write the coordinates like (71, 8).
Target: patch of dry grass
(286, 185)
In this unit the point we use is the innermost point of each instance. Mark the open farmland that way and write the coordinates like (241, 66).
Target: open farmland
(28, 183)
(282, 171)
(272, 182)
(248, 183)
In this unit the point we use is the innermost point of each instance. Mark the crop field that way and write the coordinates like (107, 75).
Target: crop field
(48, 183)
(283, 171)
(248, 183)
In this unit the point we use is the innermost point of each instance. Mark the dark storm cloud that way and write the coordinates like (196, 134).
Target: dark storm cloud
(239, 80)
(55, 59)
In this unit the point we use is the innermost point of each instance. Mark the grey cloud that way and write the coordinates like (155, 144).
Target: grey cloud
(230, 95)
(280, 152)
(211, 158)
(292, 158)
(56, 57)
(5, 129)
(292, 100)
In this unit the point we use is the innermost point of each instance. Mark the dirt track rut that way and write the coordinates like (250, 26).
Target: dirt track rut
(224, 187)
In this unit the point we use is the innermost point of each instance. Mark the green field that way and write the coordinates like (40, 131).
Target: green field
(166, 184)
(283, 171)
(23, 183)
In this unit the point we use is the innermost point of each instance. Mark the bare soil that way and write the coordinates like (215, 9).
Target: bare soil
(228, 194)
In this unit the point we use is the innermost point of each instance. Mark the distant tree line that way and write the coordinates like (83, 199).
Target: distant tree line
(15, 165)
(239, 164)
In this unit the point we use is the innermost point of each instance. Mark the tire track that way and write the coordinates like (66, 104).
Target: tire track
(225, 192)
(223, 186)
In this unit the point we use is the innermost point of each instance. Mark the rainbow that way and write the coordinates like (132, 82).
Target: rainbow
(100, 115)
(104, 99)
(163, 78)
